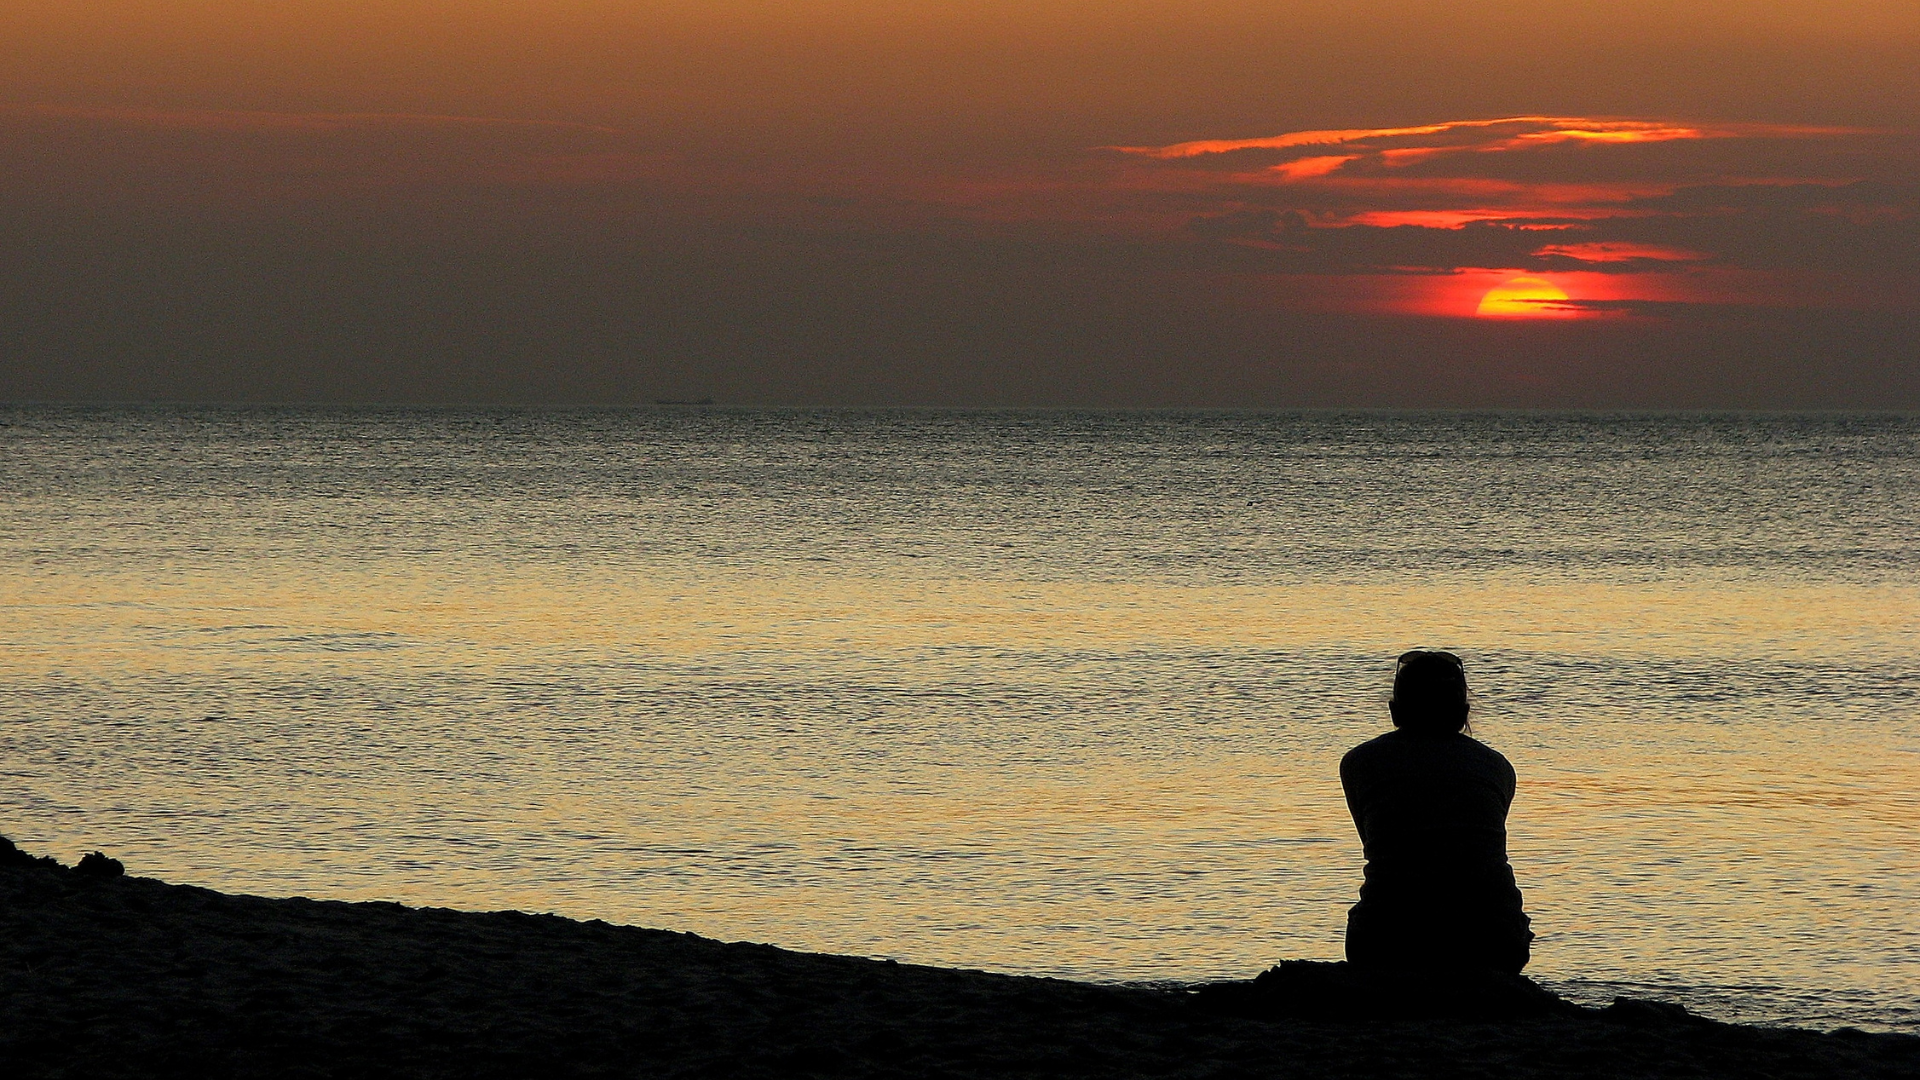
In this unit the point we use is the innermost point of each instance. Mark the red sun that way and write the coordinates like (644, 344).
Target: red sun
(1523, 297)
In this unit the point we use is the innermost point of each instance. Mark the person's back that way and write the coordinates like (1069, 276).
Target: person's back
(1430, 805)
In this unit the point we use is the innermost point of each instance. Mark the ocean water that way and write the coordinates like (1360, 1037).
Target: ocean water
(1053, 693)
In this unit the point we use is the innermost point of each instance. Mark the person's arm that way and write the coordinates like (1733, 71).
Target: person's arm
(1350, 785)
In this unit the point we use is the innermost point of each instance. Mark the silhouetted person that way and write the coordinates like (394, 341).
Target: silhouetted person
(1431, 806)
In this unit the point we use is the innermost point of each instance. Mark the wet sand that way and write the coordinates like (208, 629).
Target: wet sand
(110, 976)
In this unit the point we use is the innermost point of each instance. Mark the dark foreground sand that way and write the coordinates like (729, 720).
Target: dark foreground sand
(104, 976)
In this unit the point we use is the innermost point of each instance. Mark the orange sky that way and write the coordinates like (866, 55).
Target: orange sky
(1042, 202)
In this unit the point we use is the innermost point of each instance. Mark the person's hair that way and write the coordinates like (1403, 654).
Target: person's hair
(1430, 693)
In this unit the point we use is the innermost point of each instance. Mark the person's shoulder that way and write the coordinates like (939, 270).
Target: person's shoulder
(1370, 750)
(1379, 743)
(1492, 758)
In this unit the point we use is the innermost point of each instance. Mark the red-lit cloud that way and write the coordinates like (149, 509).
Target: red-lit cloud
(1508, 132)
(1626, 215)
(1604, 251)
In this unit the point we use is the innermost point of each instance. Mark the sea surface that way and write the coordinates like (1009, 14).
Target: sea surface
(1044, 692)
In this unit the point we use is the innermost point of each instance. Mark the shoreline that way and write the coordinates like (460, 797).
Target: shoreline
(109, 975)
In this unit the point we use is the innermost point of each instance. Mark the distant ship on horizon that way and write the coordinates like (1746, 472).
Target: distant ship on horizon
(682, 401)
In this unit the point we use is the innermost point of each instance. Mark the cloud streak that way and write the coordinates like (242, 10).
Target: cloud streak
(1684, 207)
(1521, 131)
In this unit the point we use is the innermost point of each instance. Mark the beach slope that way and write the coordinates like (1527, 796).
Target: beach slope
(110, 976)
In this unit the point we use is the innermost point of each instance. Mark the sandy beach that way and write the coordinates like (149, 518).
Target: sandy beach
(110, 975)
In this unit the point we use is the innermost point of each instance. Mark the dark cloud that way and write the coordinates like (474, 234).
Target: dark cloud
(1866, 230)
(1659, 308)
(1904, 198)
(1285, 242)
(1254, 223)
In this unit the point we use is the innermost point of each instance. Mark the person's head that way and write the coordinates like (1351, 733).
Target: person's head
(1429, 693)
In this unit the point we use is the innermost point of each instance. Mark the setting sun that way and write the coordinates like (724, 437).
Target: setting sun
(1522, 296)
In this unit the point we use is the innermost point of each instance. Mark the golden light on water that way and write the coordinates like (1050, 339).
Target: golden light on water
(695, 671)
